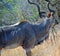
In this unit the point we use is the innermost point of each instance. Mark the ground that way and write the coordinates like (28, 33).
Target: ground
(47, 48)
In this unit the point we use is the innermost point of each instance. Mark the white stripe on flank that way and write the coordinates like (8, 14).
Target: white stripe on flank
(10, 25)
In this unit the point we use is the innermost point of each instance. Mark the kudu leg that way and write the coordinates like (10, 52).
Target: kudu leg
(28, 52)
(0, 52)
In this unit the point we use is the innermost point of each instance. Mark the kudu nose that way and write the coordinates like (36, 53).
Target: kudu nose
(56, 22)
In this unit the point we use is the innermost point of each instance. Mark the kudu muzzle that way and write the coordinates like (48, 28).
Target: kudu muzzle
(56, 22)
(53, 11)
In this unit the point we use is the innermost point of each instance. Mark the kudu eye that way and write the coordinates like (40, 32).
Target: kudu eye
(47, 0)
(42, 14)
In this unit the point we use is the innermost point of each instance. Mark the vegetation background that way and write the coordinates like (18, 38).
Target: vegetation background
(12, 11)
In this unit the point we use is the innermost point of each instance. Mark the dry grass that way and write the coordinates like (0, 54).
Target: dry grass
(47, 48)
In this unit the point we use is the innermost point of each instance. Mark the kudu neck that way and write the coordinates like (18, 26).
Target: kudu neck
(46, 23)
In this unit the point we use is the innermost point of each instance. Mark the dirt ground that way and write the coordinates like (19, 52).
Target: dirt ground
(50, 47)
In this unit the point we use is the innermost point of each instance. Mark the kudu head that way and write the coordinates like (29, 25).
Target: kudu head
(51, 15)
(42, 14)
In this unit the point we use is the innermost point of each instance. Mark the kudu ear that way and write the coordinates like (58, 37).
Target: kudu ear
(49, 15)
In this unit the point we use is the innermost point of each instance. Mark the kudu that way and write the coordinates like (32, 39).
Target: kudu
(26, 34)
